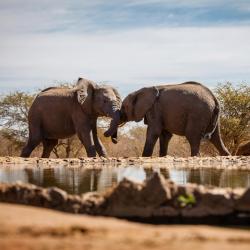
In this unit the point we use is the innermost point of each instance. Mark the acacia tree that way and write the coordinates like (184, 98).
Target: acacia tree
(235, 114)
(14, 109)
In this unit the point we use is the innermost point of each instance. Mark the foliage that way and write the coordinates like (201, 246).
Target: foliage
(235, 114)
(14, 115)
(186, 200)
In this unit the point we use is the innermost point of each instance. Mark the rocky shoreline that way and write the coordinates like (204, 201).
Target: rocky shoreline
(218, 162)
(156, 200)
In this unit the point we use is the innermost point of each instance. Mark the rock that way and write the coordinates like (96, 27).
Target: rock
(131, 199)
(165, 211)
(92, 203)
(156, 191)
(215, 202)
(243, 203)
(42, 198)
(57, 196)
(73, 204)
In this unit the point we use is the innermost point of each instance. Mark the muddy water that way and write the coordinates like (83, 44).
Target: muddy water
(78, 180)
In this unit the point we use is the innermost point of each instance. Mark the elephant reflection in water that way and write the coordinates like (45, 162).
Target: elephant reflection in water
(219, 177)
(81, 180)
(72, 180)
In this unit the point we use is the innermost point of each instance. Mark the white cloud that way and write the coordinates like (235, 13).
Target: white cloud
(135, 57)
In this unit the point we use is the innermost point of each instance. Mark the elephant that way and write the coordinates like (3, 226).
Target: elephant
(188, 109)
(60, 112)
(244, 149)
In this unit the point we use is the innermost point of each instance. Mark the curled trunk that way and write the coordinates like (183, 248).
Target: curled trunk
(112, 131)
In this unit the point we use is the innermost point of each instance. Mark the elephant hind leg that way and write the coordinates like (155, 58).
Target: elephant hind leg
(30, 146)
(164, 140)
(218, 143)
(194, 134)
(48, 145)
(194, 145)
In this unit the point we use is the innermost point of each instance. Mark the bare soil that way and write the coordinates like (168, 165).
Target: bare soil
(37, 228)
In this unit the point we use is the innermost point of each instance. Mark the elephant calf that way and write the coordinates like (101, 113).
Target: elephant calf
(59, 113)
(188, 109)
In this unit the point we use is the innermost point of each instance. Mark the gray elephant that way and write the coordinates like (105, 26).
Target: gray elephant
(59, 113)
(188, 109)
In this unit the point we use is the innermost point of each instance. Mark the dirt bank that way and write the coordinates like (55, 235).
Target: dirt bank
(35, 228)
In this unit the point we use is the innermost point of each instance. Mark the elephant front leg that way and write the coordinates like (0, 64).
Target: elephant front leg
(98, 144)
(85, 136)
(151, 139)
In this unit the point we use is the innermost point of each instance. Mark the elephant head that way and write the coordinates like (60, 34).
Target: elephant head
(99, 100)
(134, 107)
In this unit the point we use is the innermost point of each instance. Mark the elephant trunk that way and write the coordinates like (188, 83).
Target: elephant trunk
(112, 131)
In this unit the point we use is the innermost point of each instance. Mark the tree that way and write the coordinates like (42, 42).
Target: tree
(14, 109)
(235, 114)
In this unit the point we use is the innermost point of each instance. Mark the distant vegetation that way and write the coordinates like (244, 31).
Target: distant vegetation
(235, 127)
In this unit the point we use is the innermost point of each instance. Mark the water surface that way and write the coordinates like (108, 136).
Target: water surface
(77, 180)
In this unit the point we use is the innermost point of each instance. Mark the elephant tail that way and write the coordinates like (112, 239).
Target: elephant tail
(214, 121)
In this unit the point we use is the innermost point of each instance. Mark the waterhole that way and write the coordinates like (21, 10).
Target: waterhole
(77, 180)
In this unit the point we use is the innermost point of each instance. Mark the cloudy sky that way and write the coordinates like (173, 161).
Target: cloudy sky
(125, 43)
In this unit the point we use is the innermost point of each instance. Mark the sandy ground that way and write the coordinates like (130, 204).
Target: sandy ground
(24, 227)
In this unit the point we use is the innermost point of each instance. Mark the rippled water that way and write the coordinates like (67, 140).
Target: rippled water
(80, 180)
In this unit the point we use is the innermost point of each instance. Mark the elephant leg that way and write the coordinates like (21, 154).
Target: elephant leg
(218, 143)
(84, 133)
(165, 137)
(98, 144)
(194, 142)
(151, 139)
(195, 146)
(48, 145)
(34, 139)
(194, 135)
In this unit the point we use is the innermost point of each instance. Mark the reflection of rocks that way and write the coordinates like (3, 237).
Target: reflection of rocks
(155, 198)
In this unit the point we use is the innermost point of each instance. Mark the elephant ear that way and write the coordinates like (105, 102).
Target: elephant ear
(143, 101)
(118, 97)
(84, 89)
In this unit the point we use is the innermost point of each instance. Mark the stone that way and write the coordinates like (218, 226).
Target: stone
(57, 196)
(130, 199)
(92, 203)
(243, 203)
(213, 202)
(156, 191)
(73, 204)
(165, 211)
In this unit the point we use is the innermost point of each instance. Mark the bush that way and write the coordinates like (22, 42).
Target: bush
(235, 114)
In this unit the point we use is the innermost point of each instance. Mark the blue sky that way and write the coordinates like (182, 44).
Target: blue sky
(125, 43)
